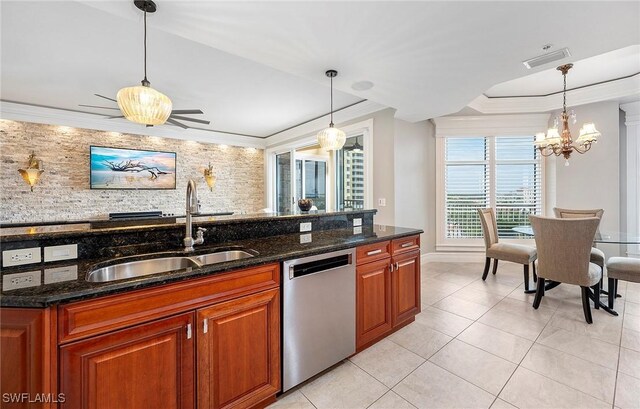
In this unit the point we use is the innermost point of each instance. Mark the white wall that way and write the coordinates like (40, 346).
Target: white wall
(592, 180)
(414, 182)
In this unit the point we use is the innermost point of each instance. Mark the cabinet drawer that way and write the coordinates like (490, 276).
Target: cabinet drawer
(373, 252)
(86, 318)
(405, 244)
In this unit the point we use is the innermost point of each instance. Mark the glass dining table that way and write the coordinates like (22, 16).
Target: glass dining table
(601, 237)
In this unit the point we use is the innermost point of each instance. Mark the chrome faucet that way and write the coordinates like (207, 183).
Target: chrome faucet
(192, 208)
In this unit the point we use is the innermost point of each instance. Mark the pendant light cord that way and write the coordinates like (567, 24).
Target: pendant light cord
(145, 45)
(331, 123)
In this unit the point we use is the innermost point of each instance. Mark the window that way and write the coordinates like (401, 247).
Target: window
(337, 180)
(503, 172)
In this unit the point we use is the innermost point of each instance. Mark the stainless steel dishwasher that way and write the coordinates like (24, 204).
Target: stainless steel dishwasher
(319, 314)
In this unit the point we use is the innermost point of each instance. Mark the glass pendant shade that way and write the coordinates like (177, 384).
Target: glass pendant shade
(331, 139)
(144, 105)
(588, 133)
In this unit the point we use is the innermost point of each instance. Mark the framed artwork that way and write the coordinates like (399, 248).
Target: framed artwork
(131, 169)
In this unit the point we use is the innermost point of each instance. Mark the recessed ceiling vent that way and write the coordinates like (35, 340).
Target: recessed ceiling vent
(546, 58)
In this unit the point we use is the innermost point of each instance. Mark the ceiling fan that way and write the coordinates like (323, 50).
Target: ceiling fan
(143, 104)
(175, 114)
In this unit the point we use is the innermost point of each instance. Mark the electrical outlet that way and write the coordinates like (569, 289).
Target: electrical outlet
(357, 222)
(66, 252)
(357, 230)
(19, 257)
(305, 227)
(60, 274)
(382, 201)
(305, 238)
(21, 280)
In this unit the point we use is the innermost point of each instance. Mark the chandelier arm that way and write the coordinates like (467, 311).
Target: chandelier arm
(581, 151)
(545, 152)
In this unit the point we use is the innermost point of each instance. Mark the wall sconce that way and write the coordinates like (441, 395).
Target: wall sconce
(32, 173)
(209, 177)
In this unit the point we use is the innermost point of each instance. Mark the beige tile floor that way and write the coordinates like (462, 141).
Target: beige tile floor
(481, 345)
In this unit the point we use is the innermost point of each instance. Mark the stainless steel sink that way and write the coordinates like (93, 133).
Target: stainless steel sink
(222, 256)
(140, 268)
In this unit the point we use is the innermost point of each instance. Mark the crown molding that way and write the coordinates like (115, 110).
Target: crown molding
(632, 112)
(347, 114)
(613, 90)
(52, 116)
(491, 125)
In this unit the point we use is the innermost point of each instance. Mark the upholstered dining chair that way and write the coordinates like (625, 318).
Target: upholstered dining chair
(564, 250)
(621, 268)
(597, 256)
(515, 253)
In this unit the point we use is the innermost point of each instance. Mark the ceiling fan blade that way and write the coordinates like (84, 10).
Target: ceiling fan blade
(96, 106)
(187, 111)
(114, 117)
(102, 96)
(183, 126)
(184, 118)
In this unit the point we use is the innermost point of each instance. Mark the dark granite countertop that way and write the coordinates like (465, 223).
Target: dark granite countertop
(269, 249)
(9, 233)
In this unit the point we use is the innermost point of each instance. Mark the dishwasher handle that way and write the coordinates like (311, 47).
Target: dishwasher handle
(319, 266)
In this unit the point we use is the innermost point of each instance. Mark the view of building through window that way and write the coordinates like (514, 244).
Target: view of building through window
(350, 175)
(500, 172)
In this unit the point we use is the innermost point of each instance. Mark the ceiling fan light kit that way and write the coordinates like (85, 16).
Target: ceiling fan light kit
(331, 138)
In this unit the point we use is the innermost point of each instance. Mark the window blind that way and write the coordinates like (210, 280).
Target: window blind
(500, 172)
(466, 185)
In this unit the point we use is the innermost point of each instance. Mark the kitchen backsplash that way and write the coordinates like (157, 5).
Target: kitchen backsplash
(63, 191)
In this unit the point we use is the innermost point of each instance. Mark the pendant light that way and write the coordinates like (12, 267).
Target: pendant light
(331, 139)
(141, 103)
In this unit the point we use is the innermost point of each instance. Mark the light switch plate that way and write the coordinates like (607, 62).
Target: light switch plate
(65, 252)
(305, 238)
(357, 222)
(21, 280)
(19, 257)
(382, 201)
(60, 274)
(305, 227)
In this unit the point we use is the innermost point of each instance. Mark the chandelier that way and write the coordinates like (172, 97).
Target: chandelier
(331, 139)
(560, 142)
(143, 104)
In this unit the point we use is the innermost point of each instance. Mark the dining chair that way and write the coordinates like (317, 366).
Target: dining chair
(597, 255)
(621, 268)
(564, 249)
(495, 250)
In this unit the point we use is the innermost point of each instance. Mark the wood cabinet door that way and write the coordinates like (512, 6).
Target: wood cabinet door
(146, 366)
(373, 301)
(26, 363)
(405, 286)
(239, 351)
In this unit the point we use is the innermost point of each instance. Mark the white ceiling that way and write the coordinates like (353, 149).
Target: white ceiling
(604, 67)
(258, 67)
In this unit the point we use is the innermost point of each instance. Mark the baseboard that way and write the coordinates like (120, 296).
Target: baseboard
(468, 257)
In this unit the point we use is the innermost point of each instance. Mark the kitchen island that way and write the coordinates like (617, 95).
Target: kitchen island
(212, 331)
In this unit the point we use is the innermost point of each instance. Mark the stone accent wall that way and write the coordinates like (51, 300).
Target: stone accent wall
(63, 191)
